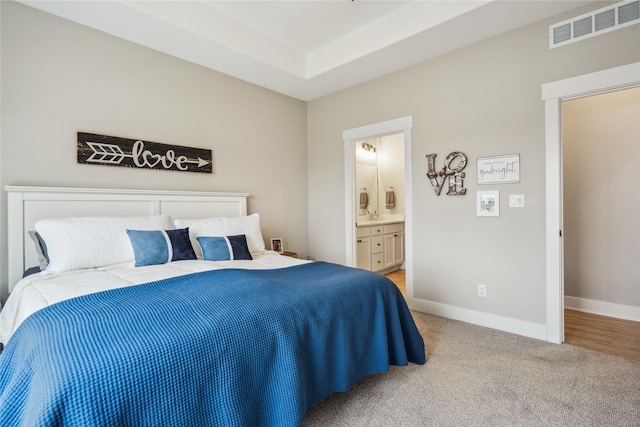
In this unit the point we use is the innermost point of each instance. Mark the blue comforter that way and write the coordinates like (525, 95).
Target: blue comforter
(218, 348)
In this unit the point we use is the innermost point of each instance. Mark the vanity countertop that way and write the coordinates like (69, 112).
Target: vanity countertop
(378, 222)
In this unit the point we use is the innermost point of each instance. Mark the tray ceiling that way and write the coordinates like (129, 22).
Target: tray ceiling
(305, 49)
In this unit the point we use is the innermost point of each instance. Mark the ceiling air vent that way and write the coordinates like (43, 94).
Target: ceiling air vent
(594, 23)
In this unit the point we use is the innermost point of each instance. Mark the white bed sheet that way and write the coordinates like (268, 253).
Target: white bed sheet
(37, 291)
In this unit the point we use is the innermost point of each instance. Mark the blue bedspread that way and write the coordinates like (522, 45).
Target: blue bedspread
(218, 348)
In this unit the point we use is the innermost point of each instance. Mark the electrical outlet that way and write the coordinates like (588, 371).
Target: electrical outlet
(482, 290)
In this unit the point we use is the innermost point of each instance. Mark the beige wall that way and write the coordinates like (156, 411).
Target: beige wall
(601, 174)
(59, 78)
(483, 100)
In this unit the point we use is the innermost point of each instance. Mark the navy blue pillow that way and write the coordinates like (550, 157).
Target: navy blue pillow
(224, 248)
(152, 247)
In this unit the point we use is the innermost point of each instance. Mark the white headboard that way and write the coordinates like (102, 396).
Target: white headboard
(27, 205)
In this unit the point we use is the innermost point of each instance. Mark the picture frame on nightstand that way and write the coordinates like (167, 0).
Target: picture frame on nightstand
(276, 244)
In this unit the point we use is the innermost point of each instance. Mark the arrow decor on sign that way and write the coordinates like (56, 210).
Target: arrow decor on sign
(132, 153)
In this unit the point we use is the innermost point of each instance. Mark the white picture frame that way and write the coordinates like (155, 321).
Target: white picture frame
(277, 245)
(488, 203)
(498, 169)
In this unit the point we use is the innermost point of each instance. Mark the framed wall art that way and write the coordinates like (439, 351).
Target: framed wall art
(488, 203)
(94, 149)
(499, 169)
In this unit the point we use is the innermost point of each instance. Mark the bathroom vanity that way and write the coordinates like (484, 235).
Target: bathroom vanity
(380, 245)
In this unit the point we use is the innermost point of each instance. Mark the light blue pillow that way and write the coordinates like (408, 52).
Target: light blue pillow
(224, 248)
(152, 247)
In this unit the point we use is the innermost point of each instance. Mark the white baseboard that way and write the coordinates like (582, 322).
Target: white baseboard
(619, 311)
(506, 324)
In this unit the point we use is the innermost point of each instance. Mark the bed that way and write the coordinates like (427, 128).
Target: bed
(152, 334)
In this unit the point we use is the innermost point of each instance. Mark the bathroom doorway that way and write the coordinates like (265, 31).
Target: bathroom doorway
(353, 139)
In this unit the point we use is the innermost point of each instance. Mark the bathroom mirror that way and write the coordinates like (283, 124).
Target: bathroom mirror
(366, 182)
(367, 207)
(379, 167)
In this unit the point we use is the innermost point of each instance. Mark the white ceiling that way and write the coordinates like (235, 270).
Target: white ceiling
(305, 49)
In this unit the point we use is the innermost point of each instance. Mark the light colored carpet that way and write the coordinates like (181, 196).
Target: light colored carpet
(481, 377)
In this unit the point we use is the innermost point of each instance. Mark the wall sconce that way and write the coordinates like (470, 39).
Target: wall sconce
(368, 147)
(366, 153)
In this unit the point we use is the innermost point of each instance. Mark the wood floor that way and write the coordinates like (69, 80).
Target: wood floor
(398, 277)
(604, 334)
(599, 333)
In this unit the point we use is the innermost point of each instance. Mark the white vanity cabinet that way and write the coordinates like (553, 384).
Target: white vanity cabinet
(393, 245)
(377, 248)
(380, 247)
(363, 248)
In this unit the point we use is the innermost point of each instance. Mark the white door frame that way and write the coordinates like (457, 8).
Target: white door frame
(350, 137)
(553, 94)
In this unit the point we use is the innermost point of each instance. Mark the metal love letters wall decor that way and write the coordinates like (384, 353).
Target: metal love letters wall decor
(455, 174)
(133, 153)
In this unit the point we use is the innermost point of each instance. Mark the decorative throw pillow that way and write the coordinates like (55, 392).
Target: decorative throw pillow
(31, 270)
(152, 247)
(224, 248)
(248, 225)
(41, 249)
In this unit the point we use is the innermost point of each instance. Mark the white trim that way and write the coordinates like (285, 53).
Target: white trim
(390, 127)
(51, 193)
(501, 323)
(555, 288)
(350, 136)
(349, 204)
(610, 309)
(553, 94)
(408, 209)
(593, 83)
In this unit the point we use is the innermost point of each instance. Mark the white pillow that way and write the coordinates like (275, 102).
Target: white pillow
(220, 227)
(88, 242)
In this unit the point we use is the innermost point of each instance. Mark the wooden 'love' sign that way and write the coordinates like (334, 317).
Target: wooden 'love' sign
(134, 153)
